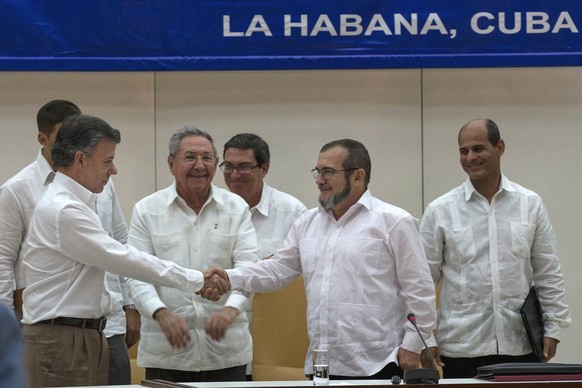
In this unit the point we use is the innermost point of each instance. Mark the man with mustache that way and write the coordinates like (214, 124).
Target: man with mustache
(198, 225)
(364, 269)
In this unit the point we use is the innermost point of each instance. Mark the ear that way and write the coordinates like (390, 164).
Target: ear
(264, 169)
(171, 164)
(43, 139)
(80, 158)
(500, 147)
(359, 176)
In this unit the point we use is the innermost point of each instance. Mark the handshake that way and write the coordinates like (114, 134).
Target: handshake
(216, 284)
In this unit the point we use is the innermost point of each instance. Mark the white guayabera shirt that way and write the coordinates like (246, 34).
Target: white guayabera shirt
(486, 257)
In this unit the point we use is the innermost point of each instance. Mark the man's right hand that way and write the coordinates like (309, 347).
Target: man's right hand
(174, 327)
(216, 284)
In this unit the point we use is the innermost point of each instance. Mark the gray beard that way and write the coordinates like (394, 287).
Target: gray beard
(329, 203)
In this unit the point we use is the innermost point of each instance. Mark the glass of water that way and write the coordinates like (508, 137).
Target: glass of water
(320, 367)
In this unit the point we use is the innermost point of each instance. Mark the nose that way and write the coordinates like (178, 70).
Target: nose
(235, 174)
(198, 162)
(113, 170)
(319, 180)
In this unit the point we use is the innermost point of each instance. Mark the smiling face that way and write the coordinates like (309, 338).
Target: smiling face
(248, 185)
(335, 193)
(97, 167)
(480, 159)
(194, 166)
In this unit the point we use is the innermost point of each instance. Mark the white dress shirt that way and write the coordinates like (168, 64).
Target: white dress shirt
(221, 235)
(18, 198)
(272, 218)
(363, 273)
(67, 252)
(486, 257)
(113, 222)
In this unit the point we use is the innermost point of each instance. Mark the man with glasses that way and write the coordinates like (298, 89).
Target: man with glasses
(246, 163)
(197, 225)
(364, 270)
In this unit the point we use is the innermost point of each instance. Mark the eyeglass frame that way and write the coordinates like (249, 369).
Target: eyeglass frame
(222, 166)
(315, 172)
(192, 158)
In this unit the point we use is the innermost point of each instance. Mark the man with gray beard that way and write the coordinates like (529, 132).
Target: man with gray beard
(364, 269)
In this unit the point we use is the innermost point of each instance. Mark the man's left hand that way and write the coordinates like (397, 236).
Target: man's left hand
(219, 322)
(132, 327)
(550, 346)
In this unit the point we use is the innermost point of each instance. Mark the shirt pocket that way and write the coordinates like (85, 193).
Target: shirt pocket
(463, 245)
(522, 236)
(363, 256)
(269, 247)
(220, 246)
(464, 324)
(358, 328)
(170, 246)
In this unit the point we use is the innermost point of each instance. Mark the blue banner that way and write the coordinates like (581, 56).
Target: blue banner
(181, 35)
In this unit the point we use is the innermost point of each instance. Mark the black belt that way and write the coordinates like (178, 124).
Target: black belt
(97, 323)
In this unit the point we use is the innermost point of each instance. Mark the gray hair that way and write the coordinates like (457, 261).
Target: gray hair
(80, 133)
(185, 132)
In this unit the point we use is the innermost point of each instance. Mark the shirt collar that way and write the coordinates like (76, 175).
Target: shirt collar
(173, 197)
(263, 205)
(84, 195)
(43, 166)
(505, 185)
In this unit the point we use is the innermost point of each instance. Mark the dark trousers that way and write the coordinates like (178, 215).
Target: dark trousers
(467, 367)
(237, 373)
(119, 366)
(389, 371)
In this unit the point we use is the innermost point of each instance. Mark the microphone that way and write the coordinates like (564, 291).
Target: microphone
(421, 375)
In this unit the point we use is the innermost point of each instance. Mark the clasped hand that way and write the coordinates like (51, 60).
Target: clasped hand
(216, 284)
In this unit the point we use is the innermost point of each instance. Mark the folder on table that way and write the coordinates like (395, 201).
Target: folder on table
(530, 371)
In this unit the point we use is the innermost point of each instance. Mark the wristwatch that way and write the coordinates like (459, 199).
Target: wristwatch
(129, 307)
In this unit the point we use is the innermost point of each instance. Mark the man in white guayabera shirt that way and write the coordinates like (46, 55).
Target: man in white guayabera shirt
(246, 162)
(198, 225)
(364, 270)
(487, 241)
(66, 254)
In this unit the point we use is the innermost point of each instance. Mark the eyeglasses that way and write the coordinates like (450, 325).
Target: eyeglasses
(243, 168)
(192, 158)
(328, 172)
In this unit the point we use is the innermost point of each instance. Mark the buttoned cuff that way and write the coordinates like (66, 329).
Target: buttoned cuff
(412, 342)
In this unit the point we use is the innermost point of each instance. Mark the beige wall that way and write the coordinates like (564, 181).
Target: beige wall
(408, 119)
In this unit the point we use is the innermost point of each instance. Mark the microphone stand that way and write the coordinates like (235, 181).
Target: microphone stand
(421, 375)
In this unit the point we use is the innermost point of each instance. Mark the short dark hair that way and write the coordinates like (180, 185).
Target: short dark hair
(80, 133)
(54, 112)
(251, 141)
(186, 131)
(493, 135)
(358, 156)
